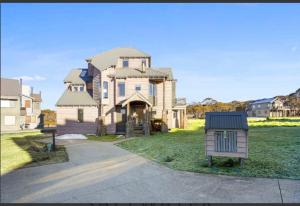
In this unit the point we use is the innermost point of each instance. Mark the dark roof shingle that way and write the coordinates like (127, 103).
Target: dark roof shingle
(226, 120)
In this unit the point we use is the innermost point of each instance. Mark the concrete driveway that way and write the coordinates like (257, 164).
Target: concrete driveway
(102, 172)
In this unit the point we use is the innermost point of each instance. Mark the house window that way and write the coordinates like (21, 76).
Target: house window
(75, 89)
(33, 119)
(105, 89)
(27, 104)
(152, 89)
(121, 89)
(143, 63)
(226, 141)
(80, 115)
(8, 103)
(253, 106)
(9, 120)
(81, 88)
(258, 106)
(125, 63)
(138, 87)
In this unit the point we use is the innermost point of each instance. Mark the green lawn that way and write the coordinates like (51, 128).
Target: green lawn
(273, 151)
(105, 138)
(21, 150)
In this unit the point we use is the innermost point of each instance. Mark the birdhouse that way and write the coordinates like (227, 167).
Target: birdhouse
(226, 135)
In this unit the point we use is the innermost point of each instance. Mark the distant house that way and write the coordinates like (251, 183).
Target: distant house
(20, 107)
(120, 92)
(271, 107)
(10, 104)
(296, 94)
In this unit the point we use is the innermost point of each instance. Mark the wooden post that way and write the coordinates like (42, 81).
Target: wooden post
(53, 141)
(209, 161)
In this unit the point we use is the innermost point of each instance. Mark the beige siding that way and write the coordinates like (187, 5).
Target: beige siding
(242, 142)
(133, 62)
(11, 111)
(67, 121)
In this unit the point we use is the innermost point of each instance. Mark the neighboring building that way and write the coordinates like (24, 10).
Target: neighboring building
(121, 92)
(271, 107)
(20, 107)
(296, 94)
(30, 108)
(226, 135)
(10, 104)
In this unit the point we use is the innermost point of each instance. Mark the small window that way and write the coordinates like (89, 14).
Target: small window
(10, 120)
(125, 63)
(143, 62)
(27, 104)
(80, 115)
(8, 103)
(81, 88)
(258, 106)
(105, 89)
(138, 87)
(253, 106)
(226, 141)
(75, 89)
(121, 89)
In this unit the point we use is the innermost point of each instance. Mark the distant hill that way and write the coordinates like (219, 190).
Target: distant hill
(208, 101)
(296, 94)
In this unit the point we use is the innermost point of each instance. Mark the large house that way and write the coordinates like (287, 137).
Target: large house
(119, 93)
(20, 107)
(269, 107)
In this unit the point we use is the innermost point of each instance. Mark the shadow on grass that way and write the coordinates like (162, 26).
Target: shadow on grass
(25, 150)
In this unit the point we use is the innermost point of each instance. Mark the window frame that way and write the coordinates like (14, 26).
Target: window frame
(105, 89)
(123, 63)
(226, 137)
(11, 124)
(121, 94)
(152, 89)
(138, 86)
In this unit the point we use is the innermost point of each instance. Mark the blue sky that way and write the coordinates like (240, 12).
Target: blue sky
(224, 51)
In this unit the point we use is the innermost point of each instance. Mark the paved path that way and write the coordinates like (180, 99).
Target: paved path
(102, 172)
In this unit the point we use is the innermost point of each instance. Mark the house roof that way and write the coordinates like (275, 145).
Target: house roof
(70, 98)
(36, 97)
(137, 96)
(226, 120)
(266, 100)
(10, 87)
(77, 76)
(121, 73)
(108, 58)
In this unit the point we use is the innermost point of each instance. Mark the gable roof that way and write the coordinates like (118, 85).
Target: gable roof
(36, 97)
(121, 73)
(108, 58)
(10, 87)
(77, 76)
(226, 120)
(137, 96)
(70, 98)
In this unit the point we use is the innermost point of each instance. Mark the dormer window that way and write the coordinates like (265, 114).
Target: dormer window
(125, 63)
(143, 63)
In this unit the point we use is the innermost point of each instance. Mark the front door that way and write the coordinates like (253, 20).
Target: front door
(121, 120)
(138, 114)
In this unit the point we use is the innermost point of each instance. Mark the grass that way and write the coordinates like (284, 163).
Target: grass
(274, 151)
(106, 138)
(22, 150)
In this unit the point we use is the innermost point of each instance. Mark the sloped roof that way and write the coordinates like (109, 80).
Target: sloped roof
(77, 76)
(36, 97)
(78, 98)
(137, 96)
(108, 58)
(168, 71)
(266, 100)
(121, 73)
(226, 120)
(10, 87)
